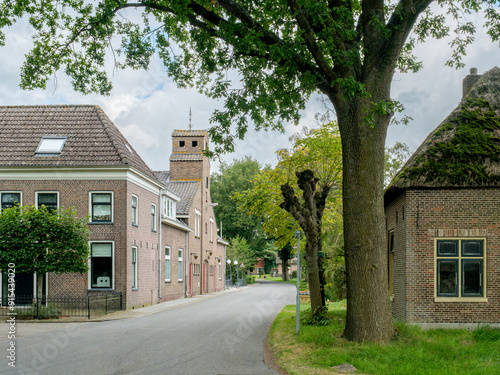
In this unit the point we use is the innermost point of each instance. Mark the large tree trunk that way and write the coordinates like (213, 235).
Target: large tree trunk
(363, 145)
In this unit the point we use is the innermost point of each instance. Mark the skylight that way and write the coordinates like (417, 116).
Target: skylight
(51, 145)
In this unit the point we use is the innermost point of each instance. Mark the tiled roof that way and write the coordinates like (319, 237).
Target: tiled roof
(92, 138)
(189, 133)
(186, 157)
(162, 176)
(186, 190)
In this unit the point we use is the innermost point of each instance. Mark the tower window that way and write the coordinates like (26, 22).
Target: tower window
(195, 143)
(182, 143)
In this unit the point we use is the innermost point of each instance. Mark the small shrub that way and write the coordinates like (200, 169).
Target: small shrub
(318, 317)
(250, 279)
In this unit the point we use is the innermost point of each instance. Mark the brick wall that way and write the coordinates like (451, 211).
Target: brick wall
(175, 239)
(147, 242)
(75, 193)
(396, 222)
(448, 213)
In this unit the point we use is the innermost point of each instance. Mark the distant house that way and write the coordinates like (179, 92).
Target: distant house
(74, 156)
(443, 217)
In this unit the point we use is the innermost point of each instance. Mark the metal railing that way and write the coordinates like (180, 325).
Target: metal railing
(61, 307)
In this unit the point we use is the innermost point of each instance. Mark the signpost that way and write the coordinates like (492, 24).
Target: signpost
(297, 318)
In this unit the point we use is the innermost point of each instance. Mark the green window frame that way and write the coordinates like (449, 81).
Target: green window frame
(460, 271)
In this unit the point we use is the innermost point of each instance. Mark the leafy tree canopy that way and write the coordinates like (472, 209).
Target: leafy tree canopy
(232, 179)
(284, 49)
(41, 240)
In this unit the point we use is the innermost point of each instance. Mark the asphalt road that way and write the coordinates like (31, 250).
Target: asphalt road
(221, 335)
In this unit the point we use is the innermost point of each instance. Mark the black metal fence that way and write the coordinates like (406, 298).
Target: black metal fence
(33, 307)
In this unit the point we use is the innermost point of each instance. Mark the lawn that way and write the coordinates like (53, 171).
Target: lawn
(414, 351)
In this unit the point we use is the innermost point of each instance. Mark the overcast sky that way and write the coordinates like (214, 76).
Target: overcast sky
(146, 106)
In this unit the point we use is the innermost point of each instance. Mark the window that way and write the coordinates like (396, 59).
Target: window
(153, 217)
(196, 269)
(134, 210)
(197, 222)
(48, 199)
(195, 143)
(180, 275)
(101, 207)
(460, 268)
(220, 270)
(211, 230)
(10, 199)
(51, 145)
(134, 268)
(167, 264)
(169, 207)
(182, 143)
(101, 265)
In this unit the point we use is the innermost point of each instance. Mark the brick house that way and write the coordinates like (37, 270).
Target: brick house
(74, 156)
(443, 217)
(189, 179)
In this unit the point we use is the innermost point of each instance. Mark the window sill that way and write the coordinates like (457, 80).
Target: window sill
(167, 281)
(100, 289)
(461, 299)
(135, 225)
(135, 289)
(154, 230)
(100, 222)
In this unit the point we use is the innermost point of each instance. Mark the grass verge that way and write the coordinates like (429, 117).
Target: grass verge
(414, 351)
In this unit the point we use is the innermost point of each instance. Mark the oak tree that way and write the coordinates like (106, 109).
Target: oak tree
(284, 51)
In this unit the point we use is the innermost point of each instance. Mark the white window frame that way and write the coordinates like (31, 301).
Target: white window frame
(89, 273)
(135, 218)
(169, 259)
(180, 264)
(154, 217)
(11, 192)
(197, 222)
(135, 268)
(47, 191)
(53, 151)
(112, 207)
(211, 229)
(220, 269)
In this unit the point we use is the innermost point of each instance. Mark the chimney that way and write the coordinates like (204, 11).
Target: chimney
(469, 81)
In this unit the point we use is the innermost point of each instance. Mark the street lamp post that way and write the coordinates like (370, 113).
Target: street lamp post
(236, 265)
(230, 272)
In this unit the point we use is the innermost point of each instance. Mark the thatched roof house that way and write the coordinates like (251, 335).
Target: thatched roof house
(464, 150)
(443, 217)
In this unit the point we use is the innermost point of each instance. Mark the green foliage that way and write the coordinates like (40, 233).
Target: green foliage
(316, 317)
(284, 51)
(395, 157)
(239, 249)
(316, 149)
(41, 241)
(233, 179)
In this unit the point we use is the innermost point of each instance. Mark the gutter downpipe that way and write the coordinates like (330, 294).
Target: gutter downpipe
(186, 265)
(160, 250)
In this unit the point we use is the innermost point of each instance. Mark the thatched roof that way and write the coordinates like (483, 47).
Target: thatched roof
(464, 150)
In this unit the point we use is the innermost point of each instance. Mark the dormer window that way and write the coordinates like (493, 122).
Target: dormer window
(51, 145)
